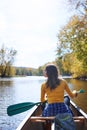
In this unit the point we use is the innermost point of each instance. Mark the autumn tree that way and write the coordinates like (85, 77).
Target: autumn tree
(73, 40)
(7, 56)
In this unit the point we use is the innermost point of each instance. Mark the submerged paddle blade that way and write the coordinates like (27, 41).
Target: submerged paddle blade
(19, 108)
(81, 91)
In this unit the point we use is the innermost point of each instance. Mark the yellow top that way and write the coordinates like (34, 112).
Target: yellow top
(56, 95)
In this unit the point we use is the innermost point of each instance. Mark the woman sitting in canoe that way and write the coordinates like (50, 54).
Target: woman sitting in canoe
(54, 88)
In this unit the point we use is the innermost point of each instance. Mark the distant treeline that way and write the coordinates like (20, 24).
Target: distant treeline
(10, 71)
(25, 71)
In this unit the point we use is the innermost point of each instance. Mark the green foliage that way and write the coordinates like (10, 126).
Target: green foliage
(26, 71)
(23, 71)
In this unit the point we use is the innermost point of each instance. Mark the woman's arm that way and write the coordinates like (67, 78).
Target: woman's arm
(42, 98)
(73, 93)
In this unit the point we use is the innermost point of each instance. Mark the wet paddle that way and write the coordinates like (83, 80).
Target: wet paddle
(22, 107)
(81, 91)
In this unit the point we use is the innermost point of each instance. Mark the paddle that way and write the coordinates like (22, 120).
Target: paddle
(81, 91)
(22, 107)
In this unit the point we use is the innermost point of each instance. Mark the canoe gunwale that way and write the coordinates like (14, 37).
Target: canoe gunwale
(78, 109)
(26, 118)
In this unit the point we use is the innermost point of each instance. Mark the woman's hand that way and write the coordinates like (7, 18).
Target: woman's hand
(75, 93)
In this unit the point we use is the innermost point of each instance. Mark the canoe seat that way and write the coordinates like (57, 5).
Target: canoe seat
(79, 121)
(40, 118)
(47, 121)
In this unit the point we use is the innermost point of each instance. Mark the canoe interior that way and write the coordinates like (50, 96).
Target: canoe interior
(34, 121)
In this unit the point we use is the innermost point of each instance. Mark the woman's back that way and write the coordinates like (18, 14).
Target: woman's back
(56, 95)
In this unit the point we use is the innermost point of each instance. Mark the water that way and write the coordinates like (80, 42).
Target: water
(27, 89)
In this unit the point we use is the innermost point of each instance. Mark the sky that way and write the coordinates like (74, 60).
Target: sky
(31, 28)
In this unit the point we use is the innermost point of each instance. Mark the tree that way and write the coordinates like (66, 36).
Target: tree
(73, 40)
(78, 5)
(6, 60)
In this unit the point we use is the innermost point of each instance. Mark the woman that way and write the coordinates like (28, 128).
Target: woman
(54, 89)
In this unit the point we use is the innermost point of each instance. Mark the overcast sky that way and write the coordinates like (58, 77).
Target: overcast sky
(31, 28)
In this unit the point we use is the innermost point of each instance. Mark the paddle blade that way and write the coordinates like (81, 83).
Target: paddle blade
(81, 91)
(19, 108)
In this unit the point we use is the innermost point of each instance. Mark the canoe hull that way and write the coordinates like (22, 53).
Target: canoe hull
(34, 121)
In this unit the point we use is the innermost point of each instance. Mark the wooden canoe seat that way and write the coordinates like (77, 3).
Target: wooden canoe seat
(40, 118)
(79, 121)
(47, 121)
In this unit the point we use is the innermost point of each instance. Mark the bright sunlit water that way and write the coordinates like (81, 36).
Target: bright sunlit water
(27, 89)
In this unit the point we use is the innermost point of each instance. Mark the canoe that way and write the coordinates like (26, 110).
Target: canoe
(34, 121)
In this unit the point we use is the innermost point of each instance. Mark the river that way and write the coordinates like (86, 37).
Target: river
(27, 89)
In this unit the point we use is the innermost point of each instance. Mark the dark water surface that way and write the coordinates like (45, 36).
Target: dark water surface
(27, 89)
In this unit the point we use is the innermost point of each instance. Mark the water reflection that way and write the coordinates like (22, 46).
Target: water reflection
(4, 83)
(81, 99)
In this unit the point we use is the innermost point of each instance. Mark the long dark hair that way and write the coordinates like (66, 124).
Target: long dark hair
(52, 74)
